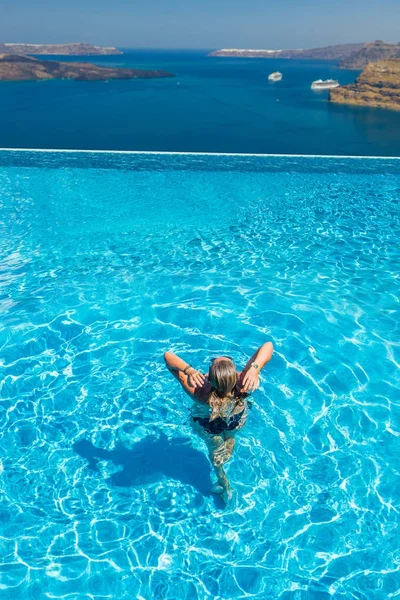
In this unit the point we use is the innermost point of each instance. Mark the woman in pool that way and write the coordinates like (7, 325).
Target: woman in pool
(220, 407)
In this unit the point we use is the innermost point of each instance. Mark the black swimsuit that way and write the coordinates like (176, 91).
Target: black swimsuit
(219, 425)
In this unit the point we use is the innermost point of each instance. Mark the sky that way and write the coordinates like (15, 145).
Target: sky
(206, 24)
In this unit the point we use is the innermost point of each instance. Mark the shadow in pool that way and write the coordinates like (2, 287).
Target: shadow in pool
(150, 459)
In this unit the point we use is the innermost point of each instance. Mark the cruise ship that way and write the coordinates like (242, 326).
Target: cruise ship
(275, 76)
(320, 84)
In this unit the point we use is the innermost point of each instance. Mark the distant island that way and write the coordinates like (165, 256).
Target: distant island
(348, 56)
(337, 52)
(75, 49)
(377, 86)
(17, 67)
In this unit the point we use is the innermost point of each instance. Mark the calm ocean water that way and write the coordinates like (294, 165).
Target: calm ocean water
(108, 260)
(213, 104)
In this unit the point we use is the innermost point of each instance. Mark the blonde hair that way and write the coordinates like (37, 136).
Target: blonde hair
(223, 378)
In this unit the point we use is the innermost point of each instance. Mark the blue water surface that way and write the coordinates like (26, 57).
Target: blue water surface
(212, 105)
(108, 260)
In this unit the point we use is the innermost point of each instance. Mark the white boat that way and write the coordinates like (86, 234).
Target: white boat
(320, 84)
(275, 76)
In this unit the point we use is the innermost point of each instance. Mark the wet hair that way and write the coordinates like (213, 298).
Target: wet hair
(223, 378)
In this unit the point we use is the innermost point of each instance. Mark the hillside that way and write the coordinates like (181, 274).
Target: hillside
(370, 53)
(377, 86)
(78, 49)
(15, 67)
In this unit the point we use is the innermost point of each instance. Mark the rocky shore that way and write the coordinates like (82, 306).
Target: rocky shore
(76, 49)
(16, 67)
(377, 86)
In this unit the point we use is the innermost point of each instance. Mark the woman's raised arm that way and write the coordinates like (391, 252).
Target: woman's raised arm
(249, 377)
(187, 375)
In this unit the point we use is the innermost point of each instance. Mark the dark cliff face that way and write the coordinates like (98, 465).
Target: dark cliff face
(14, 67)
(370, 53)
(377, 86)
(79, 49)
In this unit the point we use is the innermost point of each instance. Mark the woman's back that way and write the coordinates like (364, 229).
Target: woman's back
(204, 403)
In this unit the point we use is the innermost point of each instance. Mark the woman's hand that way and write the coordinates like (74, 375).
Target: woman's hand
(251, 380)
(195, 378)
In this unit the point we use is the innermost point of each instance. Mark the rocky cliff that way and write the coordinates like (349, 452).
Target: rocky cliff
(79, 49)
(370, 53)
(15, 67)
(377, 86)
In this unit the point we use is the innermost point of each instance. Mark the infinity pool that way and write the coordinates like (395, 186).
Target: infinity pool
(108, 260)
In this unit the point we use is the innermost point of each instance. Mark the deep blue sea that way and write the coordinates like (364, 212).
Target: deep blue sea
(212, 105)
(108, 260)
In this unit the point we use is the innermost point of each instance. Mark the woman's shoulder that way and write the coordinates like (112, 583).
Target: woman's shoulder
(202, 394)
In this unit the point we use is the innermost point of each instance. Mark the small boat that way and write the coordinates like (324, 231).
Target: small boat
(320, 84)
(275, 76)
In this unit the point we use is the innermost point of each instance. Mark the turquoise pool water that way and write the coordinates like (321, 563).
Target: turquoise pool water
(108, 260)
